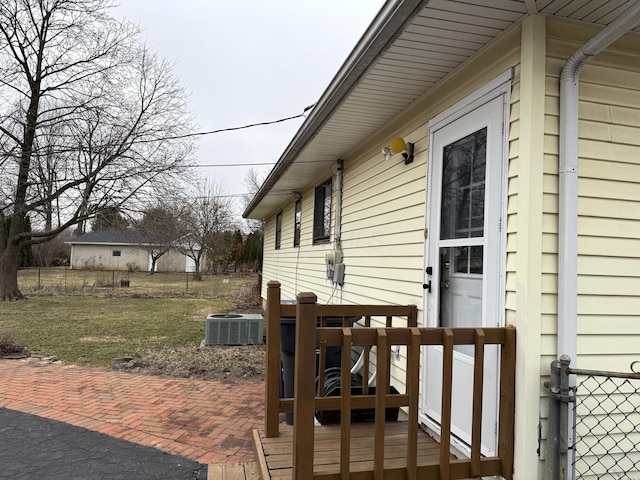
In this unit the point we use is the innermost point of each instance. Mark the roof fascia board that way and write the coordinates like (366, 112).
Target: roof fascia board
(383, 30)
(116, 244)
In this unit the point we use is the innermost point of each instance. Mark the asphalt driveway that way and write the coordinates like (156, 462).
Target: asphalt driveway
(33, 447)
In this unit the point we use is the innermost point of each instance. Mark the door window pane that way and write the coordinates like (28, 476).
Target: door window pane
(475, 259)
(468, 259)
(463, 180)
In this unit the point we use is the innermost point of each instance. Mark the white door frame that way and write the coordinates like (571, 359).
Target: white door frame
(500, 87)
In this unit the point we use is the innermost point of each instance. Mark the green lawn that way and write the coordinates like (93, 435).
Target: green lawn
(94, 329)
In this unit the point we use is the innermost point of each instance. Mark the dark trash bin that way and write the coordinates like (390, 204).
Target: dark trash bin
(288, 351)
(332, 388)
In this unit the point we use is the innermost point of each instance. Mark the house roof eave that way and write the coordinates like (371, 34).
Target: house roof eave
(382, 30)
(411, 47)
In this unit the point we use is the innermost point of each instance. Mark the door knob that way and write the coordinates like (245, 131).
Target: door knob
(446, 284)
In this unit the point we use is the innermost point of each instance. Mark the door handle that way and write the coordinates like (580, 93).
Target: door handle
(427, 286)
(446, 284)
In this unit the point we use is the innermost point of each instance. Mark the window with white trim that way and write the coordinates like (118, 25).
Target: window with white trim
(297, 223)
(278, 230)
(322, 212)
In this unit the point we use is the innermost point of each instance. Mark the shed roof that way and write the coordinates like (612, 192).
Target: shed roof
(409, 48)
(109, 237)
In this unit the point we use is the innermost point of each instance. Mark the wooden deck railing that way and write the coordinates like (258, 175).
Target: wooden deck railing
(310, 337)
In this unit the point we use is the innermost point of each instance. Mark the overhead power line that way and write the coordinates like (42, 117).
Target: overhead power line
(251, 125)
(48, 150)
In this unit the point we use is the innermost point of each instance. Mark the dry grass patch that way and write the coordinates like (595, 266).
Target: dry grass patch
(208, 363)
(105, 339)
(62, 281)
(9, 347)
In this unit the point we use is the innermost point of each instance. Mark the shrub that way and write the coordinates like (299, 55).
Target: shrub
(133, 267)
(9, 347)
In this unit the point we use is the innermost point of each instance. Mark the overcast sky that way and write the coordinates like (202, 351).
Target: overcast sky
(248, 61)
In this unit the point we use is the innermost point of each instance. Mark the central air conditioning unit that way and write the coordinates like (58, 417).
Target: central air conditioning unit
(234, 329)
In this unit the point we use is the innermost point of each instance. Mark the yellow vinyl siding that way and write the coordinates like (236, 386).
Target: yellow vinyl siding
(384, 208)
(609, 217)
(608, 303)
(297, 268)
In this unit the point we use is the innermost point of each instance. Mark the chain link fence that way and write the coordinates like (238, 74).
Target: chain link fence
(63, 281)
(604, 413)
(607, 425)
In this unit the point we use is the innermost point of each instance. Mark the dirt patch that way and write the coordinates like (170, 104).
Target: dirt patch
(208, 363)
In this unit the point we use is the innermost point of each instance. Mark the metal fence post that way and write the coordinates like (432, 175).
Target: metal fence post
(551, 464)
(556, 461)
(565, 398)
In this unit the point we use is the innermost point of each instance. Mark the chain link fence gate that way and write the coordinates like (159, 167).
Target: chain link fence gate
(604, 409)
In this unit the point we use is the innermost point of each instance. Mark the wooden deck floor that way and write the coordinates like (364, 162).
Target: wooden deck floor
(275, 454)
(228, 471)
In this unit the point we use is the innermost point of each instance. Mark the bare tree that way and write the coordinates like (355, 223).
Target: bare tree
(52, 253)
(89, 119)
(201, 222)
(159, 230)
(252, 182)
(253, 248)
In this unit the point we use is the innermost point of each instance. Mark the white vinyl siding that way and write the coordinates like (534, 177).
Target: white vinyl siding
(173, 261)
(97, 256)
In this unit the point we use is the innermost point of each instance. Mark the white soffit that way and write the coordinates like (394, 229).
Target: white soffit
(431, 40)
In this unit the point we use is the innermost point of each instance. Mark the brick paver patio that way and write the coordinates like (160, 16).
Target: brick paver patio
(207, 421)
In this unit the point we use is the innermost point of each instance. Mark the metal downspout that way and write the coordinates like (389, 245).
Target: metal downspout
(568, 181)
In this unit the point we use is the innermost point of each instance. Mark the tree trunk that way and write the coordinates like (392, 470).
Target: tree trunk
(197, 274)
(154, 260)
(9, 260)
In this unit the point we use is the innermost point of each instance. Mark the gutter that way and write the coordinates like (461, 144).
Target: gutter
(568, 173)
(382, 31)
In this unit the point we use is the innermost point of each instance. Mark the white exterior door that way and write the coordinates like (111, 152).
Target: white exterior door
(464, 251)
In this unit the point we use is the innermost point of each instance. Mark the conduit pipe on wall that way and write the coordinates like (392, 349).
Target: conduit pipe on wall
(568, 172)
(338, 228)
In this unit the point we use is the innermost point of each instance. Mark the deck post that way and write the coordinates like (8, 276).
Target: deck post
(382, 385)
(304, 386)
(272, 381)
(478, 388)
(413, 389)
(445, 412)
(506, 421)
